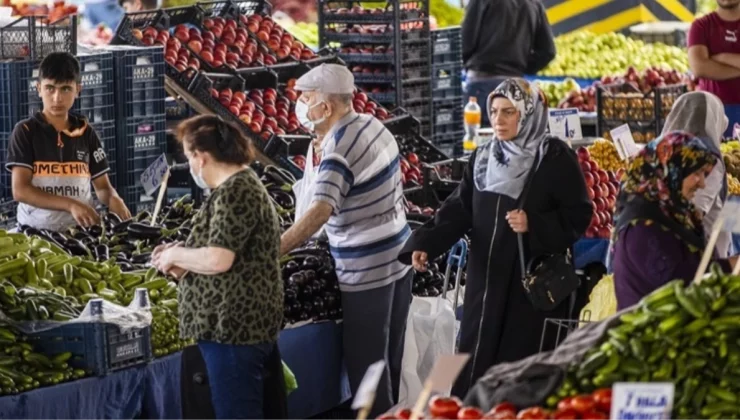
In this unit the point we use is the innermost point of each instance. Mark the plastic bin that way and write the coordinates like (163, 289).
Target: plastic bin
(447, 81)
(14, 77)
(446, 45)
(31, 38)
(98, 348)
(139, 81)
(448, 117)
(8, 210)
(106, 131)
(140, 142)
(669, 33)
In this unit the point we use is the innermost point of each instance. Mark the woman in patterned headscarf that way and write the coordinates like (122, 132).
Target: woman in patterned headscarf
(659, 234)
(499, 323)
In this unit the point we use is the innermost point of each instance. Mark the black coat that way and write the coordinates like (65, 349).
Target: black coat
(499, 323)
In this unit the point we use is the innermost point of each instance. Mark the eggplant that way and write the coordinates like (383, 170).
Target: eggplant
(113, 218)
(144, 231)
(102, 253)
(95, 231)
(125, 266)
(297, 278)
(311, 263)
(141, 258)
(171, 224)
(77, 248)
(144, 215)
(122, 227)
(283, 199)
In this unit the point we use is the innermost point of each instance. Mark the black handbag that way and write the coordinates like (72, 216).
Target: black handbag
(547, 279)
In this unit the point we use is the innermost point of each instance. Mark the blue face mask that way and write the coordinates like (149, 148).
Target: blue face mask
(198, 178)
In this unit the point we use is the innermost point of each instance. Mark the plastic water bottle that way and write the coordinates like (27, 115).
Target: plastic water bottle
(471, 116)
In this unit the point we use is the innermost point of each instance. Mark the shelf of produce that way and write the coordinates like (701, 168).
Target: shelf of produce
(176, 91)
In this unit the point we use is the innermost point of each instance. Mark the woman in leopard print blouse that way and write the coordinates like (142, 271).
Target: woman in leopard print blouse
(231, 294)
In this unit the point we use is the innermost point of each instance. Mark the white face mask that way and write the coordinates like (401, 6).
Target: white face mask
(198, 178)
(301, 111)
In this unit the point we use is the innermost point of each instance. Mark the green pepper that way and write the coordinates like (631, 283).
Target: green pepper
(688, 304)
(637, 348)
(68, 274)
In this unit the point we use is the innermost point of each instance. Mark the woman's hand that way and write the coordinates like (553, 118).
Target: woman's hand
(164, 261)
(419, 261)
(518, 221)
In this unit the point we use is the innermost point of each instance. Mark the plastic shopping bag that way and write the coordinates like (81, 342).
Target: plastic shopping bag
(602, 301)
(430, 332)
(304, 189)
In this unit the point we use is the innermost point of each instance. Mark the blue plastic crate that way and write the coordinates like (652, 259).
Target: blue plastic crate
(140, 142)
(448, 117)
(139, 81)
(97, 348)
(447, 81)
(136, 199)
(97, 99)
(446, 45)
(13, 81)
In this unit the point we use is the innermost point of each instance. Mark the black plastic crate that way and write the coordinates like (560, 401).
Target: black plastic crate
(625, 104)
(136, 199)
(228, 8)
(140, 142)
(98, 348)
(642, 133)
(33, 38)
(447, 81)
(415, 73)
(139, 81)
(416, 92)
(446, 45)
(8, 210)
(448, 139)
(97, 98)
(448, 117)
(177, 110)
(14, 76)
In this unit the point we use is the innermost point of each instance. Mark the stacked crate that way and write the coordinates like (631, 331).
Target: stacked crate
(387, 48)
(140, 119)
(447, 89)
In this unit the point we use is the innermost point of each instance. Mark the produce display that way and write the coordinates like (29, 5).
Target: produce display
(733, 185)
(306, 32)
(22, 369)
(556, 91)
(583, 99)
(445, 13)
(602, 187)
(681, 334)
(59, 9)
(731, 157)
(588, 55)
(100, 35)
(605, 154)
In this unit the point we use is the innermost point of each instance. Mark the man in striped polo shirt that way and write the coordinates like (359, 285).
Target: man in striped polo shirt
(358, 200)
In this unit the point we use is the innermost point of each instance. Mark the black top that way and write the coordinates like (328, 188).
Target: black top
(499, 323)
(506, 37)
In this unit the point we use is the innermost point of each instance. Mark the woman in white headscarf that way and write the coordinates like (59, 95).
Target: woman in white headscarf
(499, 323)
(703, 115)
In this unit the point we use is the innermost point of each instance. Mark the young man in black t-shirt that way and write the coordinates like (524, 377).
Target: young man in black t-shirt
(55, 154)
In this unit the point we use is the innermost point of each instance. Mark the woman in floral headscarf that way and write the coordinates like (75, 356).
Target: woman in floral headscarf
(659, 235)
(499, 323)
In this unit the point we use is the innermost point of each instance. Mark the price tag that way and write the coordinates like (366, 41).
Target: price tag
(445, 371)
(644, 401)
(152, 177)
(731, 215)
(622, 138)
(366, 392)
(565, 123)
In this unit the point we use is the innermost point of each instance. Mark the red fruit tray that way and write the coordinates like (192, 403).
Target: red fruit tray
(358, 14)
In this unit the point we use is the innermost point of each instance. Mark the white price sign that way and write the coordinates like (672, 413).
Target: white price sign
(731, 215)
(152, 177)
(565, 123)
(642, 401)
(366, 391)
(625, 144)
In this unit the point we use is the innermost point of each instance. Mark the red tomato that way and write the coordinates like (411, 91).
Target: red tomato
(565, 404)
(594, 415)
(504, 406)
(469, 413)
(565, 415)
(501, 415)
(403, 414)
(534, 413)
(583, 403)
(445, 408)
(603, 399)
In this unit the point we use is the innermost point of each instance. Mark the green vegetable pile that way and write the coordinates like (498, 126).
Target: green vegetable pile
(686, 335)
(21, 369)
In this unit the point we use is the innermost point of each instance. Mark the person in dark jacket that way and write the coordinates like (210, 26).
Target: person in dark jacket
(503, 39)
(659, 235)
(499, 323)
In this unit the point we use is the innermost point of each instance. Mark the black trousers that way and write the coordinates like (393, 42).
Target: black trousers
(196, 394)
(374, 328)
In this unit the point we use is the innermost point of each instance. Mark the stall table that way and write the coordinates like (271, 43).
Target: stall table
(313, 352)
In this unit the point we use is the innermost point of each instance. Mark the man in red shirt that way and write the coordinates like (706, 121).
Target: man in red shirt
(714, 55)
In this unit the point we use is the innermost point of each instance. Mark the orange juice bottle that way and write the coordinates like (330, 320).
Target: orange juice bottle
(471, 116)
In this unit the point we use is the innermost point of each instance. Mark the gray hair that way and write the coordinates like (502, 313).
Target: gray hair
(340, 100)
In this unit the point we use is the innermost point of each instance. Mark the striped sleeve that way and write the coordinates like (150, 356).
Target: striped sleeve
(333, 181)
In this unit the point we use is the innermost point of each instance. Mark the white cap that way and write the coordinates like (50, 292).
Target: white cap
(327, 78)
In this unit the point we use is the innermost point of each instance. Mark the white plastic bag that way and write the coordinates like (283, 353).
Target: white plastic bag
(431, 330)
(304, 189)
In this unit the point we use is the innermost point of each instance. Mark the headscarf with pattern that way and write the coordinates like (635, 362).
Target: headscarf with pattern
(651, 189)
(502, 166)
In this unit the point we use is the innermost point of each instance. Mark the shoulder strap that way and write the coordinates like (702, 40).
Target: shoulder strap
(520, 206)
